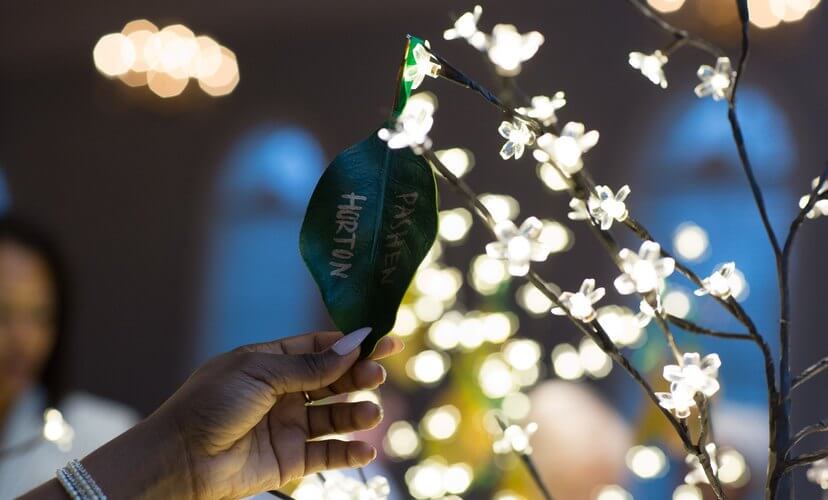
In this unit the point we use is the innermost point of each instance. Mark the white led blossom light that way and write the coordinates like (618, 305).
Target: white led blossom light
(607, 206)
(517, 135)
(818, 473)
(412, 126)
(694, 375)
(338, 486)
(644, 271)
(518, 246)
(465, 27)
(716, 81)
(651, 66)
(579, 304)
(543, 107)
(820, 207)
(720, 283)
(516, 439)
(566, 150)
(423, 66)
(508, 48)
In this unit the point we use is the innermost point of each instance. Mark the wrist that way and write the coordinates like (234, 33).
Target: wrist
(147, 461)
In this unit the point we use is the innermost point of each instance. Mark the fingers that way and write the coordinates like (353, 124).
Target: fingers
(387, 346)
(319, 341)
(342, 418)
(364, 375)
(333, 454)
(305, 372)
(298, 344)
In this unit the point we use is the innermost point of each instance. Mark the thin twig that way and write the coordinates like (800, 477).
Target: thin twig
(812, 371)
(701, 330)
(526, 458)
(821, 426)
(704, 457)
(279, 494)
(678, 34)
(805, 459)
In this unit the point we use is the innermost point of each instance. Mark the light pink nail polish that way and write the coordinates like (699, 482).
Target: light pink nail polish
(351, 341)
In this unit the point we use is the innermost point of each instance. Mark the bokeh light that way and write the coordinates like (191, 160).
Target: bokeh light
(666, 5)
(165, 60)
(401, 441)
(647, 462)
(691, 242)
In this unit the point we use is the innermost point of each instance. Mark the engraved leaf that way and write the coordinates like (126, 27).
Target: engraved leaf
(370, 222)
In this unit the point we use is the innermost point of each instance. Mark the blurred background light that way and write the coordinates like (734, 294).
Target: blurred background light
(501, 206)
(666, 5)
(687, 492)
(647, 462)
(459, 161)
(441, 423)
(166, 59)
(401, 440)
(691, 242)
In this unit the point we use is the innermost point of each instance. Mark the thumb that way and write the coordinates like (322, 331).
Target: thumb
(314, 370)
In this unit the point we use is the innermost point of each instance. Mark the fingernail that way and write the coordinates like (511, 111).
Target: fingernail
(351, 341)
(384, 373)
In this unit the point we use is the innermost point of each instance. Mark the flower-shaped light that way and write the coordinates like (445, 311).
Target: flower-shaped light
(694, 375)
(515, 439)
(696, 474)
(607, 206)
(818, 473)
(644, 271)
(517, 135)
(578, 210)
(651, 66)
(466, 27)
(423, 66)
(716, 82)
(566, 150)
(579, 304)
(543, 108)
(720, 283)
(508, 48)
(518, 246)
(646, 312)
(412, 126)
(820, 208)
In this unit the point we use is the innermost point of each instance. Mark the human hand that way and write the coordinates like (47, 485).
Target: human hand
(240, 424)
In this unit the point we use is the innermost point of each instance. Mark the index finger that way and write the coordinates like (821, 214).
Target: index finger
(319, 341)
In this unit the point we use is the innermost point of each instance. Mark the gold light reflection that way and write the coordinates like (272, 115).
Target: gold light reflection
(165, 60)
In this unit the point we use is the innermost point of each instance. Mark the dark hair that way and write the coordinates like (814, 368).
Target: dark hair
(20, 231)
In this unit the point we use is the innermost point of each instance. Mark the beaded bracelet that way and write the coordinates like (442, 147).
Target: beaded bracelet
(78, 483)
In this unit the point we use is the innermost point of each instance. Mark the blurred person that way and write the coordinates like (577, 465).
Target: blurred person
(33, 319)
(248, 421)
(585, 440)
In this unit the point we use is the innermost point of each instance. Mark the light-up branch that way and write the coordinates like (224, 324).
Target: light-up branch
(592, 330)
(780, 412)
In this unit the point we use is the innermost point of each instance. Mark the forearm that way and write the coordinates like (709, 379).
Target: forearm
(145, 462)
